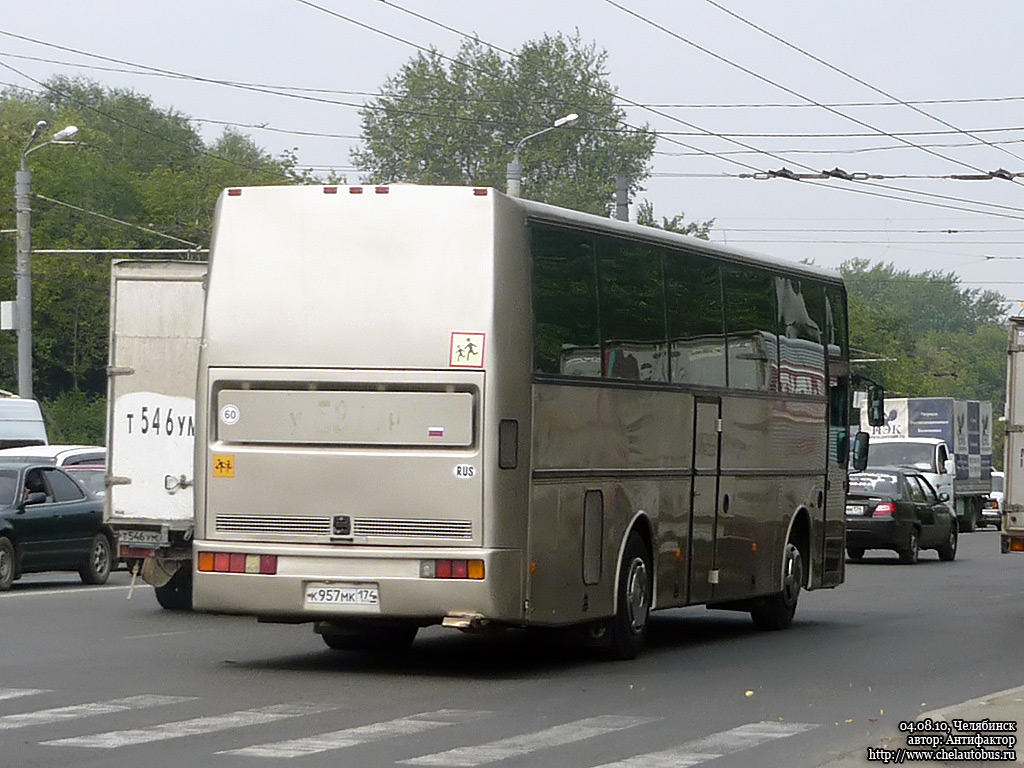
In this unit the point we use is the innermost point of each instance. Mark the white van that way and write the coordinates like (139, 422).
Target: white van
(21, 423)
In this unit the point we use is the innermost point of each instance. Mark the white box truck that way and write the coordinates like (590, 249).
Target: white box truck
(156, 316)
(1012, 537)
(948, 440)
(21, 422)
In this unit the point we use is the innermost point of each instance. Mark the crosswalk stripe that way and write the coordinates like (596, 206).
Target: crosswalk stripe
(193, 727)
(13, 693)
(714, 746)
(517, 746)
(348, 737)
(76, 711)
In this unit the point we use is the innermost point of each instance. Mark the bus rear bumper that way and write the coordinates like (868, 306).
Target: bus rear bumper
(385, 583)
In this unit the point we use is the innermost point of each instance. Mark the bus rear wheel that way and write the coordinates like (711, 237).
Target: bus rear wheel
(777, 611)
(628, 628)
(389, 638)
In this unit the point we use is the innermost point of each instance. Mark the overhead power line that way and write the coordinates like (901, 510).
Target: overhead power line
(870, 193)
(769, 81)
(855, 79)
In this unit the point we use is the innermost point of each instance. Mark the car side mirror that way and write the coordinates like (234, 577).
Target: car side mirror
(860, 451)
(36, 497)
(943, 496)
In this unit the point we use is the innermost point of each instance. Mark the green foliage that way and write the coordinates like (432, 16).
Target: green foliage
(76, 417)
(441, 121)
(677, 224)
(133, 162)
(928, 336)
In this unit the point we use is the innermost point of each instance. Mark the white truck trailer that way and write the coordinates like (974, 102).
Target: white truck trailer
(156, 316)
(948, 440)
(1012, 536)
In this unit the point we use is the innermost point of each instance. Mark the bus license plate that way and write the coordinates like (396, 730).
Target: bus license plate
(342, 594)
(854, 510)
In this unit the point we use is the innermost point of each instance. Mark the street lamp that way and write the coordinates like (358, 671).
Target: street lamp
(514, 170)
(23, 263)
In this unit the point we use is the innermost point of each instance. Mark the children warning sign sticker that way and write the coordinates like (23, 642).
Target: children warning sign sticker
(467, 350)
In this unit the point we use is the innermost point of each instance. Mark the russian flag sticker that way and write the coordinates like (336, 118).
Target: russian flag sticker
(435, 431)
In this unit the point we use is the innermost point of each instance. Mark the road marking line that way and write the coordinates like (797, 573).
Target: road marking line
(714, 746)
(363, 734)
(517, 746)
(75, 589)
(193, 727)
(13, 693)
(75, 711)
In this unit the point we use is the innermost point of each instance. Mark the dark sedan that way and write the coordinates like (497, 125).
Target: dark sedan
(48, 522)
(898, 509)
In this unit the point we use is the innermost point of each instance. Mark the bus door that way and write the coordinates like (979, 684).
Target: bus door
(704, 488)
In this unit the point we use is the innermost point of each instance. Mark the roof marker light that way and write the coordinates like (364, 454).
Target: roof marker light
(480, 191)
(355, 190)
(330, 190)
(234, 192)
(382, 190)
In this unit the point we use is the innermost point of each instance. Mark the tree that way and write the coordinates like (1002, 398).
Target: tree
(444, 120)
(677, 224)
(927, 336)
(134, 162)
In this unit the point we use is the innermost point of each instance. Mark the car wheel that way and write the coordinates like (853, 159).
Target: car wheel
(947, 552)
(176, 594)
(777, 611)
(855, 553)
(97, 569)
(912, 551)
(628, 628)
(6, 564)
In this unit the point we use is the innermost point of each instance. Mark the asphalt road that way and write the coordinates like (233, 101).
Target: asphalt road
(89, 677)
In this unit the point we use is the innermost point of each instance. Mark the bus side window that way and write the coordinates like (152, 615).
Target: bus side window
(565, 326)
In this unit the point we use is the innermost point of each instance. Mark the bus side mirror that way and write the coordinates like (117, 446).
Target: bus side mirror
(860, 451)
(876, 405)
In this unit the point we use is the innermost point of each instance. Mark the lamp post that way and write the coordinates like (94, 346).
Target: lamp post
(514, 170)
(23, 262)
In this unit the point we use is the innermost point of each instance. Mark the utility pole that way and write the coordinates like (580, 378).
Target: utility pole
(23, 260)
(621, 197)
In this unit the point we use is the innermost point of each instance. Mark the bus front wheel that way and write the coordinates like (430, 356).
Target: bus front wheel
(628, 629)
(777, 611)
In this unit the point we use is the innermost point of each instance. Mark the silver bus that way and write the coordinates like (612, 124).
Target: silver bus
(442, 405)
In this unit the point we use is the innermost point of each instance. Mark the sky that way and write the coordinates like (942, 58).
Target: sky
(913, 92)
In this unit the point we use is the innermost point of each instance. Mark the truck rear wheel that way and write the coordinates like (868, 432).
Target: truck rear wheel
(176, 594)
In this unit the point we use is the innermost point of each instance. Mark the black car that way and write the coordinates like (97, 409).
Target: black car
(48, 522)
(898, 509)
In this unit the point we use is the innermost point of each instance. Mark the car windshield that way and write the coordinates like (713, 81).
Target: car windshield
(893, 454)
(8, 486)
(874, 483)
(997, 483)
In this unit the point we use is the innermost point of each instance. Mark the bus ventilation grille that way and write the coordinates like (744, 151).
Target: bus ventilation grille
(362, 527)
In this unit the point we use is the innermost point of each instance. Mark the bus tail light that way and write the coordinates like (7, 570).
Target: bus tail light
(884, 509)
(452, 569)
(237, 562)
